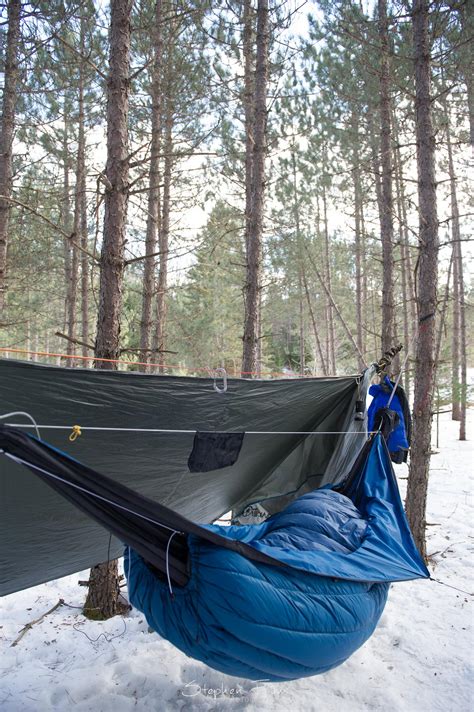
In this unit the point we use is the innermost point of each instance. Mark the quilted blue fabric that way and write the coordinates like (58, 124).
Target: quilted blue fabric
(257, 621)
(274, 623)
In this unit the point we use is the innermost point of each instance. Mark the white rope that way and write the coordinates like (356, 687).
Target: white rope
(129, 569)
(193, 432)
(20, 461)
(167, 563)
(27, 415)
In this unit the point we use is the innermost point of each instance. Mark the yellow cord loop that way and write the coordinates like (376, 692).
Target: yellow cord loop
(76, 431)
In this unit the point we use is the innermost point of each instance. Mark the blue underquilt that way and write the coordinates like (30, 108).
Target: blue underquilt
(278, 623)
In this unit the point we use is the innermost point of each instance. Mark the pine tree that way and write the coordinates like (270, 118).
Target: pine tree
(254, 222)
(7, 128)
(103, 595)
(427, 278)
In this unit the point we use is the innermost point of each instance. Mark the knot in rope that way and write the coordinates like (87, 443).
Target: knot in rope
(76, 432)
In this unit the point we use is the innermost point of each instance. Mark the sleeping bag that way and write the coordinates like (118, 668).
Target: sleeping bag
(259, 621)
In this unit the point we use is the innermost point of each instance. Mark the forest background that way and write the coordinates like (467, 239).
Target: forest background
(270, 188)
(323, 212)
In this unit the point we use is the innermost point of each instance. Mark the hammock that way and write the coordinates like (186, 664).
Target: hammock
(290, 597)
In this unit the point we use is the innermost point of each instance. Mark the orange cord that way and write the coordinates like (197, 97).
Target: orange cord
(136, 363)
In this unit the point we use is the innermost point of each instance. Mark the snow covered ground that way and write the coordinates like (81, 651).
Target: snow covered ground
(420, 657)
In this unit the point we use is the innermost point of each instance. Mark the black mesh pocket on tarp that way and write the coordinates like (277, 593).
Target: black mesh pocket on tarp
(212, 451)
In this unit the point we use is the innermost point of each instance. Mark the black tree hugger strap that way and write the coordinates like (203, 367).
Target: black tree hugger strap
(135, 520)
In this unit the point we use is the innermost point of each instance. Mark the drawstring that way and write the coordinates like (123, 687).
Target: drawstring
(20, 461)
(167, 564)
(450, 586)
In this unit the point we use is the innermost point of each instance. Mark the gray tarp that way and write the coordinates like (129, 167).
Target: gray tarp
(44, 537)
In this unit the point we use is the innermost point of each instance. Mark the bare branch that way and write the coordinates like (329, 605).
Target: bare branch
(74, 341)
(79, 54)
(30, 625)
(49, 222)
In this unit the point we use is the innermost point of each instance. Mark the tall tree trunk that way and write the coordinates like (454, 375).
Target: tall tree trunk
(408, 289)
(364, 270)
(374, 149)
(11, 75)
(153, 212)
(331, 340)
(255, 223)
(404, 218)
(84, 274)
(81, 198)
(457, 265)
(466, 16)
(459, 307)
(427, 278)
(74, 252)
(67, 224)
(406, 318)
(386, 217)
(301, 322)
(462, 425)
(84, 280)
(103, 597)
(300, 260)
(249, 70)
(164, 232)
(358, 238)
(455, 340)
(442, 319)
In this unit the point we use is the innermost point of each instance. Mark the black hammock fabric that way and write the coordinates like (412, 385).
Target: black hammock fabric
(152, 530)
(45, 537)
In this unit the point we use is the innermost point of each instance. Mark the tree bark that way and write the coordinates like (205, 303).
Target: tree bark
(459, 306)
(408, 288)
(103, 597)
(300, 261)
(11, 76)
(254, 237)
(457, 266)
(67, 223)
(81, 198)
(404, 218)
(153, 212)
(462, 425)
(427, 278)
(249, 69)
(466, 16)
(386, 215)
(331, 338)
(84, 272)
(164, 231)
(116, 195)
(358, 238)
(73, 251)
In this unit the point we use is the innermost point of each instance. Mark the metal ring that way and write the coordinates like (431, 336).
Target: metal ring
(223, 373)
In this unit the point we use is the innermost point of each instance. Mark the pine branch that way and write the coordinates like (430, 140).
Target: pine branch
(79, 54)
(74, 341)
(49, 222)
